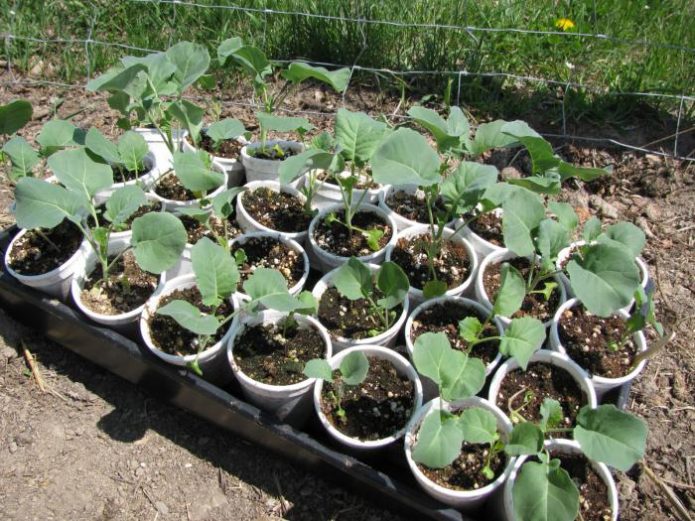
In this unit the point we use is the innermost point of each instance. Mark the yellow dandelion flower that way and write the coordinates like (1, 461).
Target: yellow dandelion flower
(564, 24)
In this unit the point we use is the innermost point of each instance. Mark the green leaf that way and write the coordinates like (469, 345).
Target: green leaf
(354, 368)
(522, 339)
(318, 368)
(586, 174)
(102, 147)
(251, 59)
(605, 279)
(438, 441)
(470, 328)
(189, 115)
(22, 156)
(123, 203)
(405, 158)
(80, 173)
(592, 229)
(512, 291)
(299, 71)
(542, 493)
(489, 136)
(551, 414)
(158, 241)
(430, 354)
(188, 316)
(40, 204)
(283, 123)
(269, 288)
(548, 183)
(191, 61)
(627, 235)
(358, 136)
(478, 425)
(222, 202)
(132, 148)
(465, 187)
(57, 134)
(353, 280)
(160, 71)
(565, 215)
(295, 166)
(463, 376)
(125, 79)
(447, 134)
(216, 273)
(14, 116)
(523, 212)
(194, 173)
(308, 302)
(225, 129)
(393, 283)
(552, 238)
(526, 438)
(434, 288)
(611, 436)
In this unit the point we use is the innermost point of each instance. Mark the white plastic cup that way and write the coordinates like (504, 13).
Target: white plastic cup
(328, 193)
(258, 169)
(171, 205)
(401, 222)
(402, 366)
(461, 499)
(482, 247)
(233, 166)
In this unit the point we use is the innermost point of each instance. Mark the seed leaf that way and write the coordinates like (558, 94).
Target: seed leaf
(551, 414)
(318, 368)
(188, 316)
(354, 368)
(470, 328)
(225, 129)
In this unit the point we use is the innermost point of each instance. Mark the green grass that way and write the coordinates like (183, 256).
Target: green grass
(604, 64)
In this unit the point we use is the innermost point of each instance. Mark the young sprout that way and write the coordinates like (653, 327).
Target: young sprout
(224, 130)
(352, 371)
(126, 156)
(195, 172)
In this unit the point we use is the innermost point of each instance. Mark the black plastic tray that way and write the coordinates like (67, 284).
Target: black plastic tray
(385, 478)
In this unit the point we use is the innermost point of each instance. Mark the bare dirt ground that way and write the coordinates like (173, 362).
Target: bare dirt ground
(96, 447)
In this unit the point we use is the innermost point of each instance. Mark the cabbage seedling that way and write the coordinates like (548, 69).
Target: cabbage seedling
(127, 155)
(194, 171)
(224, 130)
(13, 116)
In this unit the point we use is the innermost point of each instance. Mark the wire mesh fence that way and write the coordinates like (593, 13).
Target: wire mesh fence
(682, 104)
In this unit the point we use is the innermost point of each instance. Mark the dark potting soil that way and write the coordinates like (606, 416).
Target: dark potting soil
(487, 226)
(32, 254)
(534, 305)
(452, 265)
(445, 318)
(526, 391)
(275, 355)
(335, 238)
(169, 187)
(271, 153)
(465, 473)
(126, 288)
(352, 318)
(279, 211)
(267, 252)
(593, 492)
(365, 181)
(123, 175)
(197, 230)
(411, 206)
(377, 408)
(229, 148)
(173, 339)
(588, 338)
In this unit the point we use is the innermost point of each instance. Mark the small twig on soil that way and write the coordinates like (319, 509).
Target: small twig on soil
(685, 229)
(677, 484)
(31, 362)
(653, 349)
(670, 495)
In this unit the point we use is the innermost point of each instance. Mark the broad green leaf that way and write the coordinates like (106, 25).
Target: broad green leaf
(353, 280)
(430, 354)
(592, 229)
(190, 317)
(222, 202)
(551, 414)
(358, 136)
(393, 283)
(251, 59)
(102, 147)
(194, 173)
(22, 156)
(123, 203)
(627, 234)
(542, 493)
(586, 174)
(526, 438)
(299, 71)
(463, 376)
(160, 71)
(565, 215)
(548, 183)
(434, 288)
(225, 129)
(478, 425)
(127, 79)
(269, 288)
(470, 328)
(283, 123)
(489, 136)
(228, 47)
(189, 115)
(191, 61)
(158, 241)
(354, 368)
(522, 339)
(447, 134)
(405, 158)
(466, 185)
(523, 212)
(318, 368)
(512, 291)
(309, 304)
(14, 116)
(57, 134)
(496, 194)
(295, 166)
(438, 441)
(200, 215)
(518, 128)
(216, 273)
(605, 279)
(40, 204)
(132, 148)
(552, 238)
(611, 436)
(80, 173)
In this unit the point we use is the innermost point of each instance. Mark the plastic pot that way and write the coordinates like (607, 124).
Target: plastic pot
(462, 499)
(430, 389)
(248, 224)
(547, 357)
(601, 384)
(328, 193)
(568, 447)
(126, 235)
(402, 366)
(388, 338)
(286, 401)
(170, 205)
(265, 169)
(145, 181)
(56, 282)
(415, 295)
(232, 166)
(401, 222)
(326, 261)
(482, 247)
(495, 258)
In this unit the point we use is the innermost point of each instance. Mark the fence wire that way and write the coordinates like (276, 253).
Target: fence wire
(360, 23)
